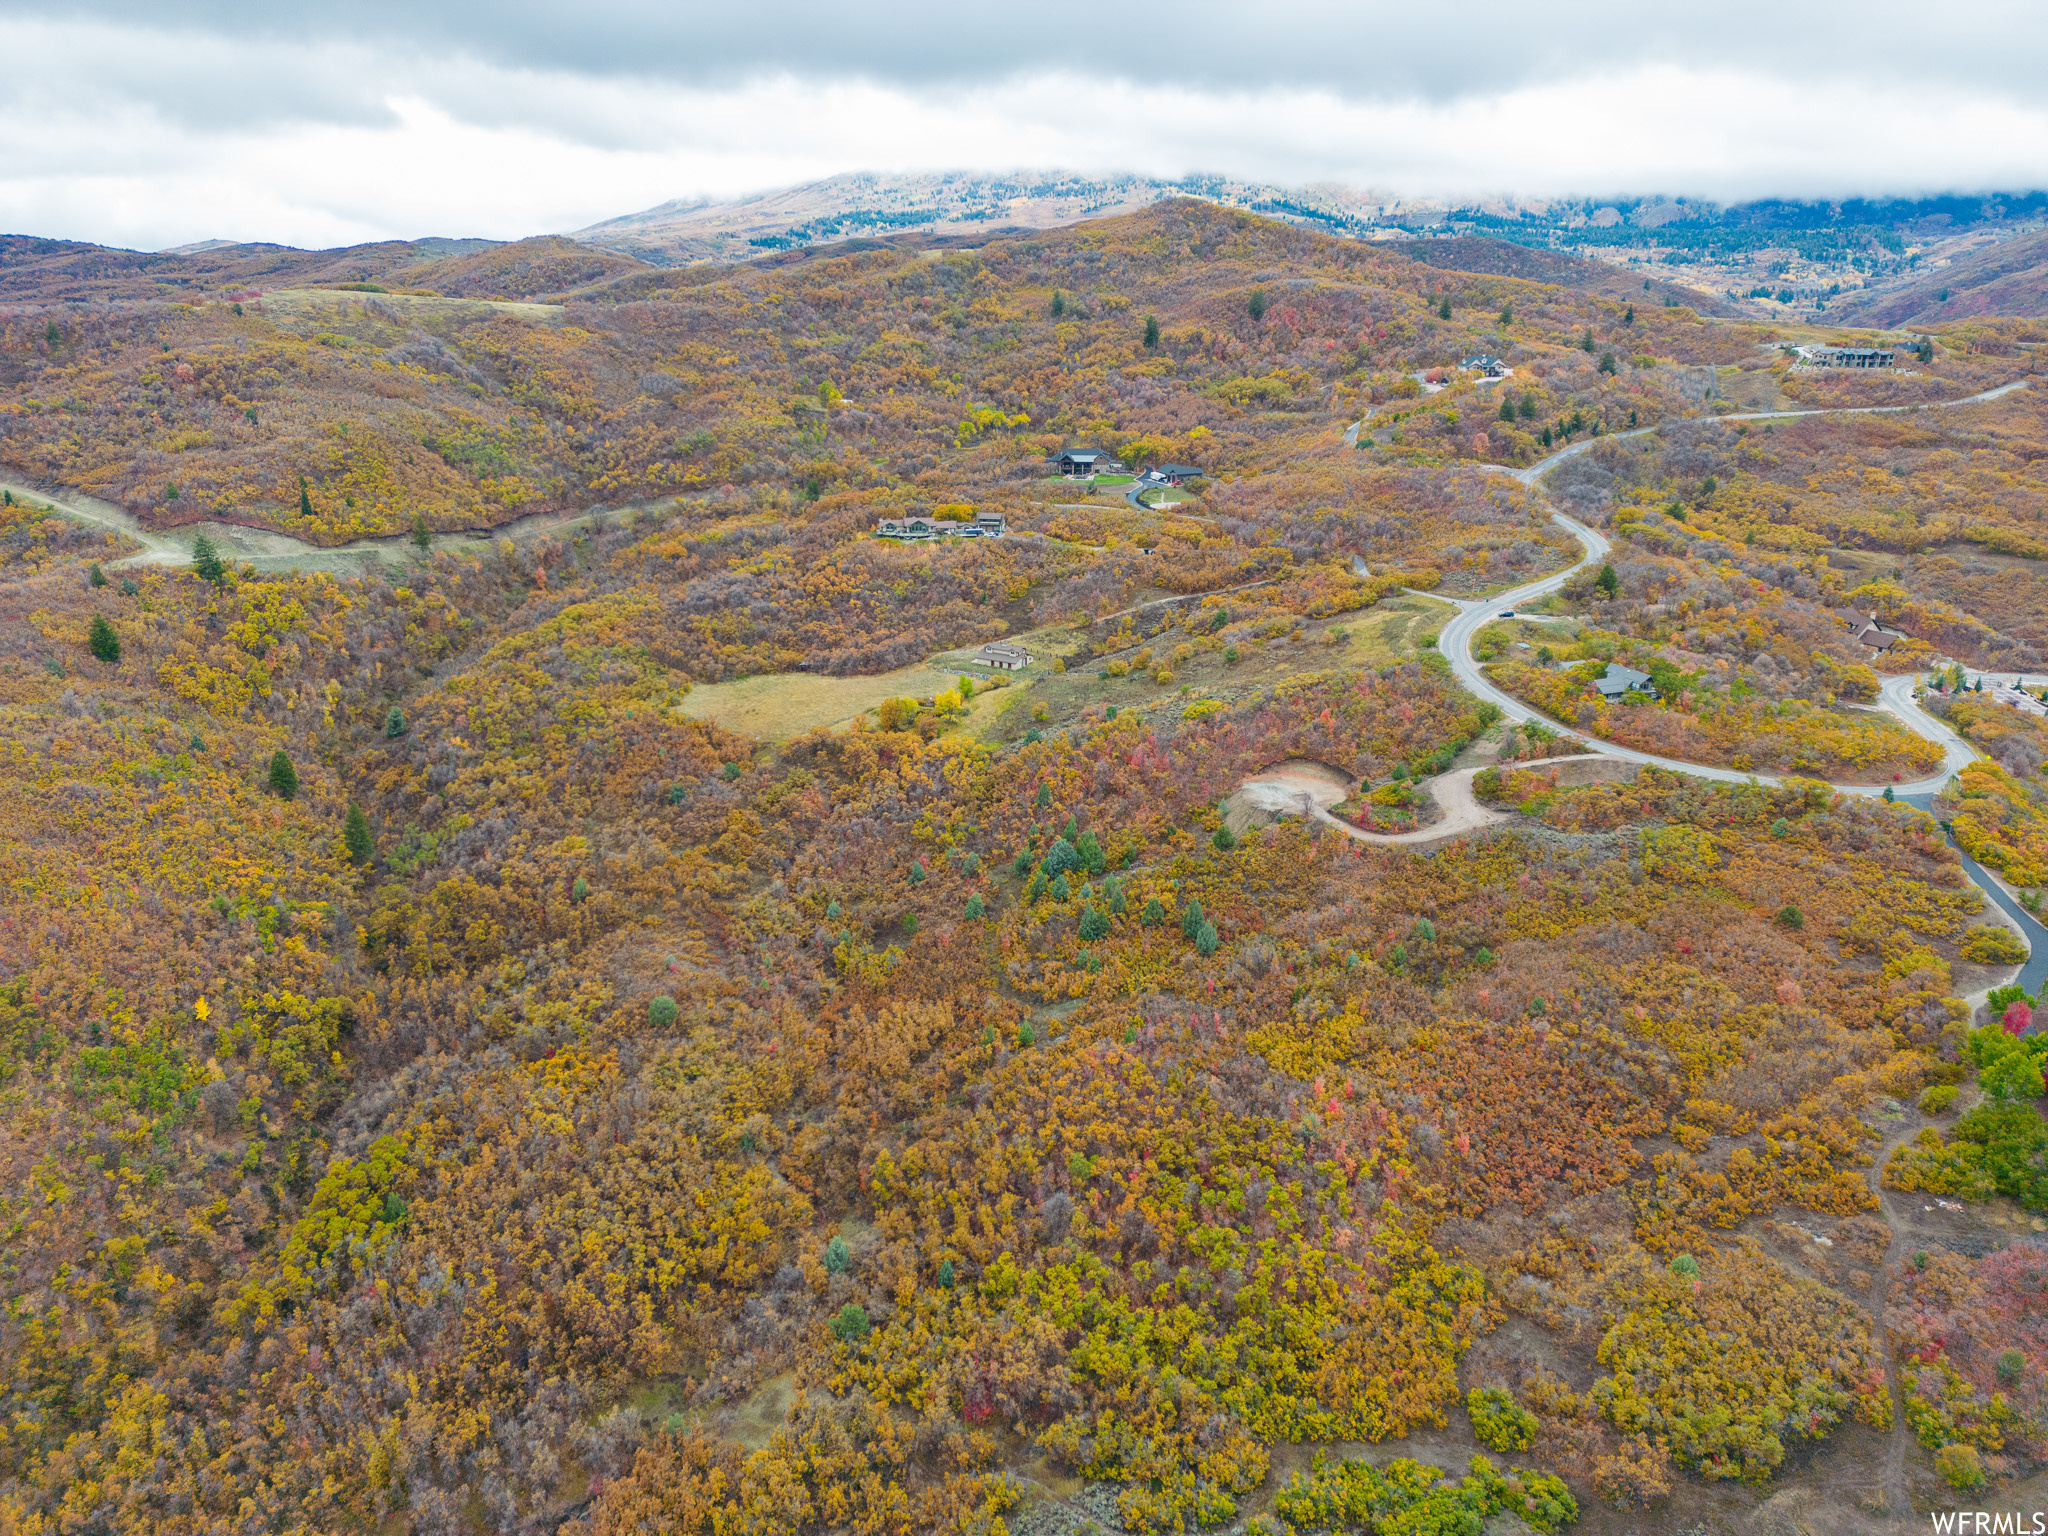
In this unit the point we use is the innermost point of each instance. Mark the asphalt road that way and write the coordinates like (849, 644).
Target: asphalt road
(1895, 697)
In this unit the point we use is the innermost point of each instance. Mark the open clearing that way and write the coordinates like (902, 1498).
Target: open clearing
(786, 704)
(313, 301)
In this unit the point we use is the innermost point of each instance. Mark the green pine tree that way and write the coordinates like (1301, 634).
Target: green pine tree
(101, 640)
(1545, 439)
(1206, 940)
(975, 908)
(1059, 890)
(1089, 850)
(1607, 581)
(1443, 310)
(1586, 341)
(1527, 409)
(1257, 306)
(1151, 333)
(1059, 304)
(284, 778)
(1094, 924)
(206, 561)
(1223, 841)
(394, 722)
(421, 539)
(1191, 919)
(1153, 915)
(95, 576)
(305, 497)
(1507, 407)
(355, 835)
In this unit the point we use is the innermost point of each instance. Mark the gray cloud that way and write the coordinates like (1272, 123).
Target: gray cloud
(142, 125)
(1378, 50)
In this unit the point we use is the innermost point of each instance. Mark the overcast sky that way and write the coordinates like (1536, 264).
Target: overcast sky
(152, 124)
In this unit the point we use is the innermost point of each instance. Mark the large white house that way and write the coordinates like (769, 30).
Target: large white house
(985, 525)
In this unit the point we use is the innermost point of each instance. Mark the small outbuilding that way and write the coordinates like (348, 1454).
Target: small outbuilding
(1004, 657)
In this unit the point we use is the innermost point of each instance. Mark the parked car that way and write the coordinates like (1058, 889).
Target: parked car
(1509, 614)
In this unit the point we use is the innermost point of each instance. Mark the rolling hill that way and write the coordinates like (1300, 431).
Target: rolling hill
(38, 271)
(2010, 278)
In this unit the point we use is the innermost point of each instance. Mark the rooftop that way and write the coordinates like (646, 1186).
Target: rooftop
(1620, 679)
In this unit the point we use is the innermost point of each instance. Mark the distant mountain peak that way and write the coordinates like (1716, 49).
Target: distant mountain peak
(867, 204)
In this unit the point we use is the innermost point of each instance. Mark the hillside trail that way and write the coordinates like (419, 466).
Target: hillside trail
(267, 550)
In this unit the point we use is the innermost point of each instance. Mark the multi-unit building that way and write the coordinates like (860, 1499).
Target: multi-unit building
(1849, 357)
(984, 525)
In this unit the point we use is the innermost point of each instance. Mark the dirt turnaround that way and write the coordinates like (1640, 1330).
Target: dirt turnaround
(1299, 787)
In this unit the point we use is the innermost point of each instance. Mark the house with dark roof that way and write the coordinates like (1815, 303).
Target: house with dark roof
(1084, 461)
(1620, 681)
(1172, 474)
(1850, 357)
(1486, 365)
(1876, 634)
(986, 525)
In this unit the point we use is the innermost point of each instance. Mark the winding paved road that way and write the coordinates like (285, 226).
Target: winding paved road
(1895, 697)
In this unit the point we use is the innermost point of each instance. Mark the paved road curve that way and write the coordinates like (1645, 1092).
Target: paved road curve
(1895, 697)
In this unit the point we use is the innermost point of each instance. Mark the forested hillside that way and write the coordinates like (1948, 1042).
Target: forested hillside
(903, 378)
(453, 1080)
